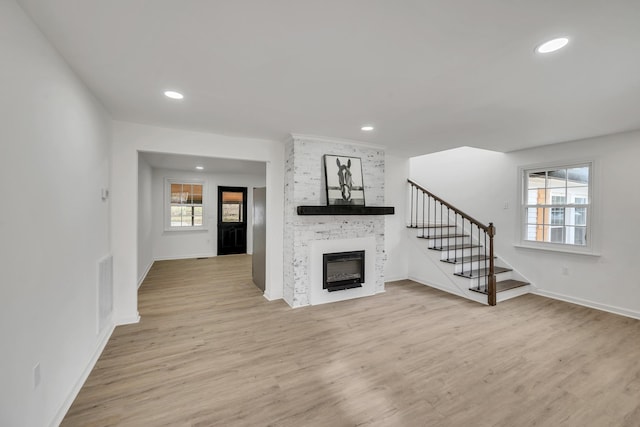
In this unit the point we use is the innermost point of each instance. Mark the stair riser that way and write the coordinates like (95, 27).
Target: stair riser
(470, 266)
(512, 293)
(462, 253)
(451, 241)
(433, 232)
(482, 280)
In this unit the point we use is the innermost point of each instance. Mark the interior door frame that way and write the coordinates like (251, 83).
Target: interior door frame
(220, 224)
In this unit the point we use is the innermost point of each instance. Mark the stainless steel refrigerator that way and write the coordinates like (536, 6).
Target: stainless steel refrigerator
(259, 236)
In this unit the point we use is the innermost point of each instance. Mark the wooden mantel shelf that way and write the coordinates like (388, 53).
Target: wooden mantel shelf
(345, 210)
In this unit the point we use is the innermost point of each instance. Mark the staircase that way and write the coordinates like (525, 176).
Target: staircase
(464, 249)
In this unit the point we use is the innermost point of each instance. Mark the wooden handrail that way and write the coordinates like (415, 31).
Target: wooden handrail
(486, 228)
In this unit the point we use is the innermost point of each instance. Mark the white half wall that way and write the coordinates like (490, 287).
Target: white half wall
(128, 139)
(481, 182)
(197, 243)
(54, 225)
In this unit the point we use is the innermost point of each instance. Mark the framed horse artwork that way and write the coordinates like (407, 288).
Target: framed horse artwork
(343, 179)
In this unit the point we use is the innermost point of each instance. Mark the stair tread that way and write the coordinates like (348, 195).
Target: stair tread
(454, 247)
(444, 236)
(466, 259)
(482, 272)
(504, 285)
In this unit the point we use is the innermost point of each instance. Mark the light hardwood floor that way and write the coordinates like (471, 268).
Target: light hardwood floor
(211, 351)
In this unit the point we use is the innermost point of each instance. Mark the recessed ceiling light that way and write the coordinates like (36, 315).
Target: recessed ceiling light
(367, 128)
(173, 94)
(199, 167)
(552, 45)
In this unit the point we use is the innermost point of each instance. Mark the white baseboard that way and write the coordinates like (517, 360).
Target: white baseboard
(472, 296)
(269, 297)
(83, 377)
(144, 276)
(395, 279)
(128, 320)
(586, 303)
(435, 286)
(190, 256)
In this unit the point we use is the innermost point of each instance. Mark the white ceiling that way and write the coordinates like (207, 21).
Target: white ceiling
(209, 164)
(428, 74)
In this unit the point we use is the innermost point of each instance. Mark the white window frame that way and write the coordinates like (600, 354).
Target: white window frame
(167, 204)
(591, 234)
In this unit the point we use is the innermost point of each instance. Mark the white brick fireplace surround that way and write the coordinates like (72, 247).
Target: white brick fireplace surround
(305, 237)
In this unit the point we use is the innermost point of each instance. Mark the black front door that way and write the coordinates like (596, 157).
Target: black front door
(232, 220)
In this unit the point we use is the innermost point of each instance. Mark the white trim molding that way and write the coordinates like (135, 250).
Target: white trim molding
(144, 276)
(472, 296)
(560, 248)
(318, 138)
(188, 256)
(587, 303)
(128, 320)
(395, 279)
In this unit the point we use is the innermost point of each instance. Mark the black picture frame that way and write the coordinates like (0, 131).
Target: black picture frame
(343, 180)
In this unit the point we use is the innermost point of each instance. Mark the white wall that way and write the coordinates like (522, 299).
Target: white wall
(479, 182)
(193, 244)
(396, 174)
(130, 138)
(54, 226)
(145, 219)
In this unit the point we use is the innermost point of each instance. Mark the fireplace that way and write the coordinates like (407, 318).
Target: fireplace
(343, 270)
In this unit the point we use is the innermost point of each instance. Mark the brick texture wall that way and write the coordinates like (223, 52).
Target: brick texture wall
(304, 185)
